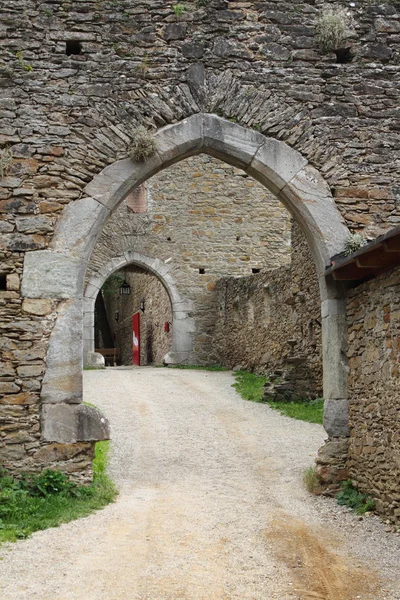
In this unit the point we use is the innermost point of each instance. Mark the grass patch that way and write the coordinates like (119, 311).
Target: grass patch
(352, 497)
(251, 387)
(312, 411)
(38, 502)
(199, 367)
(311, 481)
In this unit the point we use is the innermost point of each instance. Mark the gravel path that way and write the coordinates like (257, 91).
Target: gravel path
(211, 506)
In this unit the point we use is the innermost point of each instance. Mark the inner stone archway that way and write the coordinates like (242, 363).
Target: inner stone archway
(59, 272)
(182, 320)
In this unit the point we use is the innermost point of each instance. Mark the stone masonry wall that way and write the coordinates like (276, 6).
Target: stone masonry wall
(200, 215)
(66, 116)
(155, 343)
(269, 319)
(374, 353)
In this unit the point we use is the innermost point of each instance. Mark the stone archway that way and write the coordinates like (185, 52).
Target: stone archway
(59, 271)
(183, 322)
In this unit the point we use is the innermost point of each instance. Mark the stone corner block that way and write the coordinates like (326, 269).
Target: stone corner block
(49, 274)
(230, 142)
(336, 417)
(71, 423)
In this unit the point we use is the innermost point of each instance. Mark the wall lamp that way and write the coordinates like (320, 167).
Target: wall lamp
(142, 305)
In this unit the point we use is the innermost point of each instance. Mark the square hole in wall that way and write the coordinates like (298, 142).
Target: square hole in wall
(3, 282)
(73, 47)
(202, 271)
(255, 270)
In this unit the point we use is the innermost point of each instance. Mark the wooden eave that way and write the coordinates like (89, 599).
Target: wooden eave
(371, 260)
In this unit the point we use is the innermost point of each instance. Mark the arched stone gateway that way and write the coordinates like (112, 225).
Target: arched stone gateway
(58, 272)
(183, 322)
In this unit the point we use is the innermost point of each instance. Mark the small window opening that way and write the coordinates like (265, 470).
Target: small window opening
(73, 47)
(255, 270)
(3, 282)
(343, 55)
(238, 238)
(202, 271)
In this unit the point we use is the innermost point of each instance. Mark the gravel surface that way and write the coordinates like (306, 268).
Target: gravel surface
(211, 506)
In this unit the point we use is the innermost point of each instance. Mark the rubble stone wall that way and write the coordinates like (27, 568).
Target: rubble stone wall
(373, 312)
(269, 319)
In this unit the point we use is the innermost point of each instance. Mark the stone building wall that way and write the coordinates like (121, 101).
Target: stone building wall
(200, 215)
(373, 312)
(271, 321)
(155, 342)
(66, 116)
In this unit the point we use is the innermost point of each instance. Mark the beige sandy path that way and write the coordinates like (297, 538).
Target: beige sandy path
(211, 507)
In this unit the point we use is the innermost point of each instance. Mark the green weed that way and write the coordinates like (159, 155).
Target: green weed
(198, 367)
(312, 411)
(37, 502)
(251, 387)
(311, 481)
(352, 497)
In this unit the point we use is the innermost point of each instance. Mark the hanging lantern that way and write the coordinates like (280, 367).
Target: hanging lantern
(125, 289)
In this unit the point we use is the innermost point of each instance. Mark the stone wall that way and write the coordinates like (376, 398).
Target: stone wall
(373, 311)
(200, 217)
(271, 321)
(66, 116)
(155, 342)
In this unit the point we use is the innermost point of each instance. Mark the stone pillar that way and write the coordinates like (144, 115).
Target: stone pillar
(332, 457)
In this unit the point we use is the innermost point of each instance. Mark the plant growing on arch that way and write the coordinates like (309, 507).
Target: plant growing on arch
(143, 144)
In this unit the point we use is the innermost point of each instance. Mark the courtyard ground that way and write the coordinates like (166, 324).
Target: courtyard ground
(211, 507)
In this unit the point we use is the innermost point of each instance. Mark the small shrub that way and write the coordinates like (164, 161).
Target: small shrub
(143, 144)
(354, 242)
(333, 27)
(312, 482)
(5, 161)
(178, 9)
(352, 497)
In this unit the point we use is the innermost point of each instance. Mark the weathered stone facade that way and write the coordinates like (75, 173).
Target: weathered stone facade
(373, 312)
(272, 320)
(200, 217)
(67, 116)
(155, 342)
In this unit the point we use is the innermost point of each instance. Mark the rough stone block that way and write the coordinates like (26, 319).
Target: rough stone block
(13, 282)
(95, 359)
(67, 424)
(336, 417)
(49, 274)
(36, 306)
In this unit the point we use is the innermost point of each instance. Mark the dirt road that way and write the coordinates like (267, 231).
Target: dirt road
(211, 506)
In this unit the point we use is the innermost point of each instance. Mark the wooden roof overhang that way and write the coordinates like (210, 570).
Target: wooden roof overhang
(371, 260)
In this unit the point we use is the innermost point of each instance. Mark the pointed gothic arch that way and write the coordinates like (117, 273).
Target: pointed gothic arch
(59, 272)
